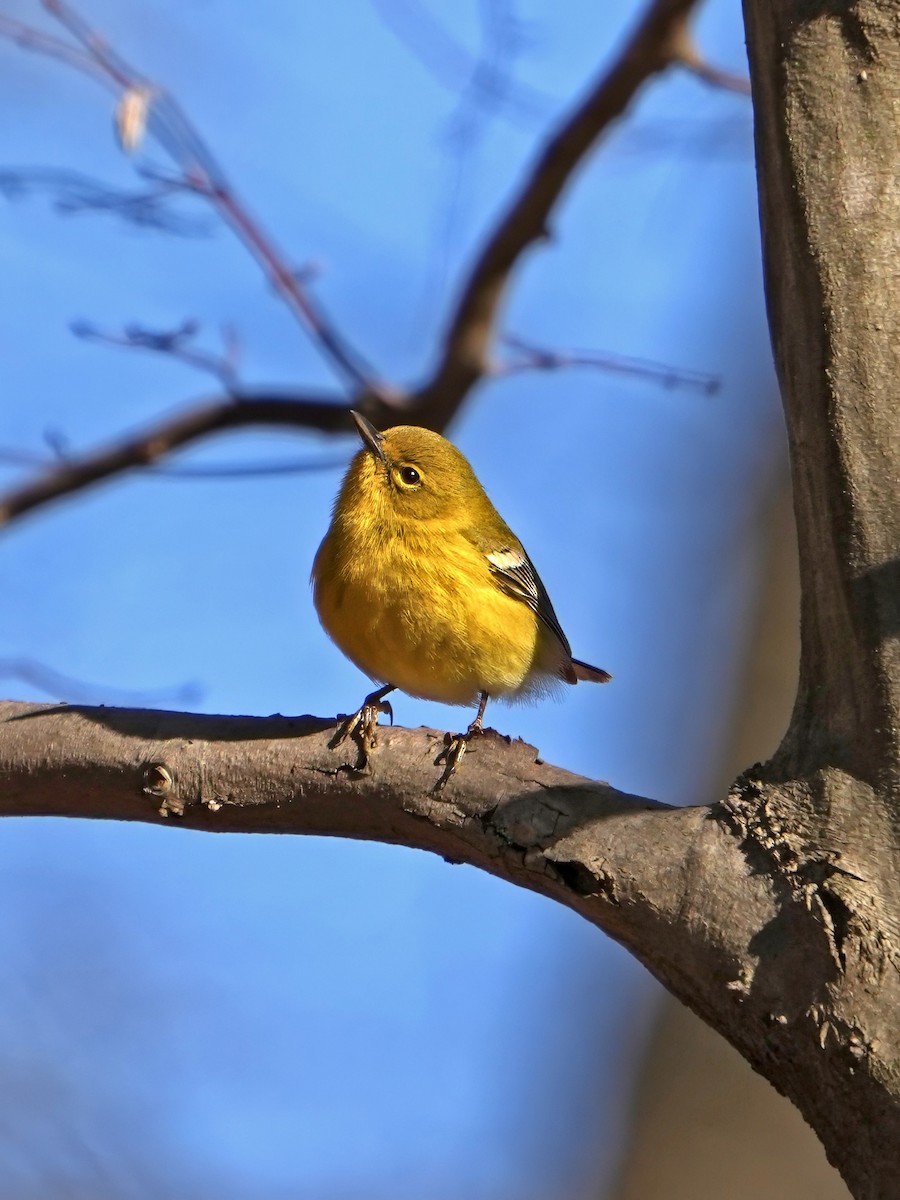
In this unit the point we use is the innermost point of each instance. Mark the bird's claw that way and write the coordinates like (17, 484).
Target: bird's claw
(363, 724)
(455, 747)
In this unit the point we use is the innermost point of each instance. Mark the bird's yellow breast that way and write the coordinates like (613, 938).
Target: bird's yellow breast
(422, 614)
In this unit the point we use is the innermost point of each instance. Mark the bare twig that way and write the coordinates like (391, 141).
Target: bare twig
(77, 193)
(716, 77)
(687, 53)
(323, 414)
(485, 86)
(179, 343)
(651, 48)
(530, 357)
(252, 470)
(452, 65)
(164, 119)
(265, 469)
(38, 42)
(465, 359)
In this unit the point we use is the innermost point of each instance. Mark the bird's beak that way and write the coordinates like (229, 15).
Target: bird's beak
(372, 439)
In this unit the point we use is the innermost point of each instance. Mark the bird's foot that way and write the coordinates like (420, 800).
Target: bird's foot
(455, 747)
(362, 726)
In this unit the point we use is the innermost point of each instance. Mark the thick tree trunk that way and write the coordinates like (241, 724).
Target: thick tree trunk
(821, 819)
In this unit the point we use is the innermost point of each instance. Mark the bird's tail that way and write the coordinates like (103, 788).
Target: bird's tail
(589, 674)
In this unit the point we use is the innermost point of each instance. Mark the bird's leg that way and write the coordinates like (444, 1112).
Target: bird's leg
(456, 744)
(364, 723)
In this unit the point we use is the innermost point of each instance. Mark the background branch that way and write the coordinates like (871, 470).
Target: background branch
(527, 356)
(465, 358)
(78, 193)
(319, 413)
(179, 343)
(146, 107)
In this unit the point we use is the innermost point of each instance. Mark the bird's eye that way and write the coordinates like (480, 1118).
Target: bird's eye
(410, 476)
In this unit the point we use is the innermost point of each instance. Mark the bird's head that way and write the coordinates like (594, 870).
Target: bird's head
(413, 473)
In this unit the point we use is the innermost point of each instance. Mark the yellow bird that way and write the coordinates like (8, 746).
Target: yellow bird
(423, 585)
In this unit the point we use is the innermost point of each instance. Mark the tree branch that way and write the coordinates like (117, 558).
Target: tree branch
(38, 42)
(526, 356)
(625, 862)
(686, 52)
(152, 108)
(652, 47)
(655, 43)
(734, 919)
(324, 414)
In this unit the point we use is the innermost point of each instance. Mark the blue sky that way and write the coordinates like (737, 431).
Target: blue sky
(302, 1017)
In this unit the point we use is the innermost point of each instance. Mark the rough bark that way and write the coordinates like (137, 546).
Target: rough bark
(826, 79)
(821, 819)
(743, 937)
(664, 881)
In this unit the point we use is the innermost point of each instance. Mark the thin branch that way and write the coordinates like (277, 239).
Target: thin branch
(248, 470)
(326, 415)
(178, 343)
(243, 409)
(35, 40)
(77, 193)
(93, 44)
(487, 82)
(716, 77)
(651, 48)
(530, 357)
(465, 361)
(687, 53)
(165, 120)
(453, 66)
(198, 471)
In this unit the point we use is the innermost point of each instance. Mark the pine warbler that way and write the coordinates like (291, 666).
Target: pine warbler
(425, 588)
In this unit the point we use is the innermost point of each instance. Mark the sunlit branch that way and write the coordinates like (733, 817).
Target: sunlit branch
(716, 77)
(687, 53)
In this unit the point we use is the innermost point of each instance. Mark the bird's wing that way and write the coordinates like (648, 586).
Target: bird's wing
(515, 573)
